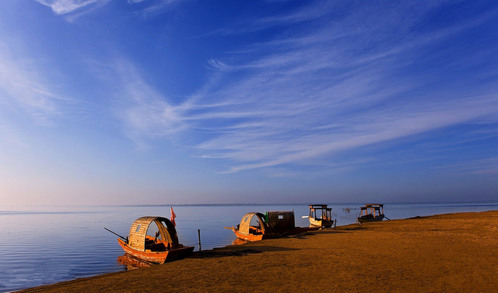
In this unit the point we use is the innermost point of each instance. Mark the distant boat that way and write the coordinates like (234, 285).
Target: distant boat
(257, 226)
(372, 212)
(161, 248)
(320, 216)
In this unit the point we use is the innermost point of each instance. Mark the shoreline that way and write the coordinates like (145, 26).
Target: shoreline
(443, 253)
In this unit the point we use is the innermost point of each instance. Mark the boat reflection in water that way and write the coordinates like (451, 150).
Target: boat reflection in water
(130, 263)
(239, 241)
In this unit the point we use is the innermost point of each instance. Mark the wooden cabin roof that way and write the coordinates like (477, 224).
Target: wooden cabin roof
(139, 229)
(279, 220)
(372, 205)
(318, 206)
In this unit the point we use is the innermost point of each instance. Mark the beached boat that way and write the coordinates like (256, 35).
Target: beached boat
(161, 247)
(257, 226)
(320, 216)
(372, 212)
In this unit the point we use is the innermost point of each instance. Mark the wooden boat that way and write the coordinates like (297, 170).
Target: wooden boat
(257, 226)
(372, 212)
(161, 247)
(320, 216)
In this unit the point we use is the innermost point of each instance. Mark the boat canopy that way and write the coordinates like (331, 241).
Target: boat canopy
(368, 205)
(318, 206)
(372, 208)
(139, 228)
(245, 223)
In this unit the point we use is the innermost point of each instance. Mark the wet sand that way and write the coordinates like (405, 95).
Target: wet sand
(443, 253)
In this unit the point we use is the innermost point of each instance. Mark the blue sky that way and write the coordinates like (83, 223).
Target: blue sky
(170, 101)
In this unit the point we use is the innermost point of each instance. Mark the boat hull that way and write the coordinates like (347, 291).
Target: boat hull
(157, 256)
(269, 235)
(320, 223)
(370, 218)
(249, 237)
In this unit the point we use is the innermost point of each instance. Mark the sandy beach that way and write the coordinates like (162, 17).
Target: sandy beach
(443, 253)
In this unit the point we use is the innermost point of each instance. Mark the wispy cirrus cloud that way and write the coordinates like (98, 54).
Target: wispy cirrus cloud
(485, 166)
(372, 128)
(153, 7)
(76, 8)
(146, 112)
(68, 6)
(333, 86)
(24, 85)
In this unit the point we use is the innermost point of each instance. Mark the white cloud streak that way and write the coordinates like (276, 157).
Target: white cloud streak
(22, 85)
(145, 111)
(486, 166)
(73, 9)
(68, 6)
(156, 7)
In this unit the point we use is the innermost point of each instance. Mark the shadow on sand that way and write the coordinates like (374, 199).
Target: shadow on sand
(223, 252)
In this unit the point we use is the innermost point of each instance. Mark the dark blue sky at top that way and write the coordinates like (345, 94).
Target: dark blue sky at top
(248, 101)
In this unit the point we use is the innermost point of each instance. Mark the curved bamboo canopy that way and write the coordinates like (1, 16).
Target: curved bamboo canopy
(139, 228)
(245, 223)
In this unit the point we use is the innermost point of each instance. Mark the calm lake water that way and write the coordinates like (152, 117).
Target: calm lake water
(45, 245)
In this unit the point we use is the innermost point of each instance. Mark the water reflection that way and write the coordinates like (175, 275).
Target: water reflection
(130, 263)
(238, 241)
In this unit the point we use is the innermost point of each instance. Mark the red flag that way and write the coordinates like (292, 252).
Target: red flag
(173, 216)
